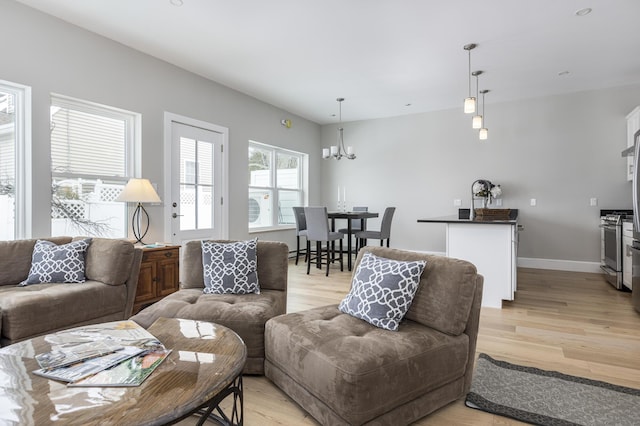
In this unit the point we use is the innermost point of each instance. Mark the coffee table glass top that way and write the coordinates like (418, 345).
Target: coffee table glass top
(205, 359)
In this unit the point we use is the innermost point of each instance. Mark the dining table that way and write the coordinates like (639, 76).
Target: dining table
(349, 215)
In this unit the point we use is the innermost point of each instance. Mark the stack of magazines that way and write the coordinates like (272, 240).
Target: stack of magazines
(120, 353)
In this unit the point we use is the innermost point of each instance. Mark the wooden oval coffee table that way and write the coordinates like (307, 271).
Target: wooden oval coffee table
(204, 367)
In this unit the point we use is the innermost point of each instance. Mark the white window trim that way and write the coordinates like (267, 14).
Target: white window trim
(302, 182)
(133, 140)
(133, 120)
(23, 158)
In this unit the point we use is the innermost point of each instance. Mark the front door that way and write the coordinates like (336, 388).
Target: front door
(197, 180)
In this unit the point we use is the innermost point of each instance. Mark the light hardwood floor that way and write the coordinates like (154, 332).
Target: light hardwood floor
(571, 322)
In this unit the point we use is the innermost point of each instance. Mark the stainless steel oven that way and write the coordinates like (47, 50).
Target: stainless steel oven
(611, 251)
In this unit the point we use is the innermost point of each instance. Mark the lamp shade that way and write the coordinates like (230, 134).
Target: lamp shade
(476, 123)
(469, 105)
(484, 134)
(138, 191)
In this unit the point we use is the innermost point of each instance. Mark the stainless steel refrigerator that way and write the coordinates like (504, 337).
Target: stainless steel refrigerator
(635, 248)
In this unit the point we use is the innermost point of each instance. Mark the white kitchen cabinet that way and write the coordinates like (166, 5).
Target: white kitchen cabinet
(492, 248)
(633, 125)
(627, 262)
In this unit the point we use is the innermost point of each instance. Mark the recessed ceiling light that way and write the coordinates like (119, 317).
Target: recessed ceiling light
(563, 73)
(583, 12)
(177, 3)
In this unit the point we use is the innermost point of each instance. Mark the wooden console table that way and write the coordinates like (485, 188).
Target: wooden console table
(159, 275)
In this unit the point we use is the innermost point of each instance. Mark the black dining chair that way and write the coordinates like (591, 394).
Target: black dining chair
(301, 230)
(318, 231)
(383, 234)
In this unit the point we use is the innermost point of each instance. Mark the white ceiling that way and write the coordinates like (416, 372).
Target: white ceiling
(300, 55)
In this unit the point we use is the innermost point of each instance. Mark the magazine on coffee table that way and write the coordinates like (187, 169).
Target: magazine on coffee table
(119, 353)
(57, 358)
(80, 370)
(123, 333)
(131, 372)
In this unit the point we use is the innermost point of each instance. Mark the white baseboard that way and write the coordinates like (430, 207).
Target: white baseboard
(536, 263)
(559, 265)
(553, 264)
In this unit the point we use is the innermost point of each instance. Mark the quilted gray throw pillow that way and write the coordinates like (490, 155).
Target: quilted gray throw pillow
(382, 290)
(230, 268)
(52, 263)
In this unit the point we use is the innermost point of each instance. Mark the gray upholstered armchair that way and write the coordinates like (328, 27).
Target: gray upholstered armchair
(246, 314)
(345, 371)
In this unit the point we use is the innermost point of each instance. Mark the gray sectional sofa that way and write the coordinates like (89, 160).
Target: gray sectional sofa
(111, 270)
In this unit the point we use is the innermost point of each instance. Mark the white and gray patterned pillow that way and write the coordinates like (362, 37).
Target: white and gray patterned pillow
(382, 290)
(52, 263)
(230, 267)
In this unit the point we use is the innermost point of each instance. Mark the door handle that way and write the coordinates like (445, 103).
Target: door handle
(175, 215)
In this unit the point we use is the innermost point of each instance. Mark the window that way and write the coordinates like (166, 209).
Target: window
(92, 158)
(276, 183)
(196, 183)
(15, 116)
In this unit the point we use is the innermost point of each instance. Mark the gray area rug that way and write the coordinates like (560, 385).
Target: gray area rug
(550, 398)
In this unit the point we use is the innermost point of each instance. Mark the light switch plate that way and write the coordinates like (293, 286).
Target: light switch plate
(457, 202)
(533, 202)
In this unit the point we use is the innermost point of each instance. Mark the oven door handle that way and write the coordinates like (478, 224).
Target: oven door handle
(609, 227)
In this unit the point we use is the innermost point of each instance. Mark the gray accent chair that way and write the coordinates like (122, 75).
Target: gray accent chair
(246, 314)
(345, 371)
(383, 234)
(318, 231)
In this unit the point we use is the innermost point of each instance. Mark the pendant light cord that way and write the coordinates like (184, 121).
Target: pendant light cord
(469, 50)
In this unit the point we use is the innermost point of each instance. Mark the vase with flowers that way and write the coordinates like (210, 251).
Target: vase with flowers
(484, 190)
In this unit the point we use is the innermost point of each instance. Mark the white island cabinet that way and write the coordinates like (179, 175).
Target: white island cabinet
(492, 247)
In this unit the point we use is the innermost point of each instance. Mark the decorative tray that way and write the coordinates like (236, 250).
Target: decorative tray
(495, 214)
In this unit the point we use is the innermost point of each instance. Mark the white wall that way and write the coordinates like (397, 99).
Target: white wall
(52, 56)
(561, 150)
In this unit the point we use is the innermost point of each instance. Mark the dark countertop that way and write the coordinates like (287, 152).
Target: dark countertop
(455, 219)
(463, 217)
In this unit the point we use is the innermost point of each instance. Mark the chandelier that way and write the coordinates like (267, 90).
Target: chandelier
(338, 151)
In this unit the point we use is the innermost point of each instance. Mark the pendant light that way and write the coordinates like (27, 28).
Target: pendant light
(338, 151)
(476, 122)
(469, 102)
(484, 132)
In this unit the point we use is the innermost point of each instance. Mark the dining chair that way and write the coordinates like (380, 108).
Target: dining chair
(318, 231)
(383, 234)
(301, 230)
(356, 223)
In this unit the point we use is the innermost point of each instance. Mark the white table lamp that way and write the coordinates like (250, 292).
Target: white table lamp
(139, 191)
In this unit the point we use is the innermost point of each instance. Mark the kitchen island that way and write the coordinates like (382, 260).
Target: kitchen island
(491, 245)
